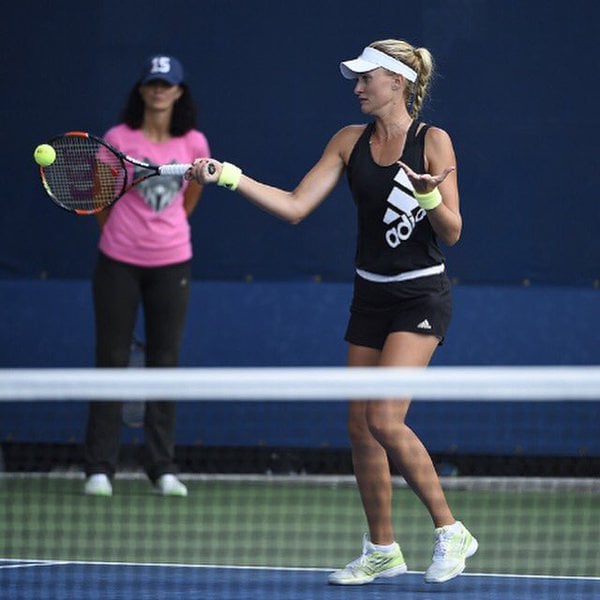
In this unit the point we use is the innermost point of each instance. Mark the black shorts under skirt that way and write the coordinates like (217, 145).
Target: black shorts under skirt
(422, 305)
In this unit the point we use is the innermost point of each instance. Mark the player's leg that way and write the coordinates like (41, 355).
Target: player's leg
(386, 421)
(369, 458)
(453, 542)
(381, 556)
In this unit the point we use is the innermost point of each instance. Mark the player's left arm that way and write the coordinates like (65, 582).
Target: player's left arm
(441, 159)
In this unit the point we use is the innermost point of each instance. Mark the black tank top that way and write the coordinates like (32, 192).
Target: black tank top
(394, 233)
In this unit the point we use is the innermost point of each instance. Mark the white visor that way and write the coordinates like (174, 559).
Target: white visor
(372, 59)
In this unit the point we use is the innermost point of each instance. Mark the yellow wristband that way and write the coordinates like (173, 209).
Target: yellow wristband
(429, 200)
(230, 176)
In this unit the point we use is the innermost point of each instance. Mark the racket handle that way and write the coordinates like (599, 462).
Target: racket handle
(176, 169)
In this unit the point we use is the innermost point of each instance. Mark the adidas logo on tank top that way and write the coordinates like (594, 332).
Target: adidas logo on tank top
(403, 213)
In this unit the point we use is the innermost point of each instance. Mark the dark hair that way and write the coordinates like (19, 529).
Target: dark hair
(182, 120)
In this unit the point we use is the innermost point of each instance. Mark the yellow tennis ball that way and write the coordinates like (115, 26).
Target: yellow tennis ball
(44, 155)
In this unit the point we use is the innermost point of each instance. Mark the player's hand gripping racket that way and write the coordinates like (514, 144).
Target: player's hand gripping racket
(88, 174)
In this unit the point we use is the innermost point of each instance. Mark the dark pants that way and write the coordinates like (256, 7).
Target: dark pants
(118, 290)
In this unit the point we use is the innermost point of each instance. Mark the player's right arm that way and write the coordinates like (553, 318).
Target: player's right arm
(312, 190)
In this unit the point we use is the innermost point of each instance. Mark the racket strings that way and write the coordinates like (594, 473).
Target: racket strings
(86, 175)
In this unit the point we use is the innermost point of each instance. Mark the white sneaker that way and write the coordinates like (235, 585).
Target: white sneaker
(98, 485)
(169, 485)
(370, 565)
(453, 545)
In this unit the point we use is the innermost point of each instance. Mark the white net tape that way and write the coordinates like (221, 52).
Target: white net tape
(547, 383)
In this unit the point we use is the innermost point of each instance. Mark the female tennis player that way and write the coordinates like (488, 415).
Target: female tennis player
(401, 173)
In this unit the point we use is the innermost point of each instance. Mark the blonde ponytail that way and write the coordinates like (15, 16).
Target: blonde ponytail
(418, 59)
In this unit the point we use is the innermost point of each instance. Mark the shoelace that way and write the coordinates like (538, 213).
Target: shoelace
(361, 560)
(442, 545)
(358, 562)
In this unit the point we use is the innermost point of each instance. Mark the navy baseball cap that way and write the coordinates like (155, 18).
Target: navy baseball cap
(163, 67)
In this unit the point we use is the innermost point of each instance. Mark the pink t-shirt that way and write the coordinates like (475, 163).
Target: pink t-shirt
(148, 225)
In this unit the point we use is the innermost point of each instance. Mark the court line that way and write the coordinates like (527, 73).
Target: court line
(42, 563)
(530, 484)
(29, 563)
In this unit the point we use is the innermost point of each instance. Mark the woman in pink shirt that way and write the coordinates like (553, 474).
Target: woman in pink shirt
(144, 258)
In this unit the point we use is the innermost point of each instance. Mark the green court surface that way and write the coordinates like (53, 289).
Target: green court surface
(285, 522)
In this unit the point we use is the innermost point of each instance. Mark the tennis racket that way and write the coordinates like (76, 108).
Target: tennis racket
(89, 175)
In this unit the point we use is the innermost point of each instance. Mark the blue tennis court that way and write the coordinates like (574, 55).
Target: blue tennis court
(41, 580)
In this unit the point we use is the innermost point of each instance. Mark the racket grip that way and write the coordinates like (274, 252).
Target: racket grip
(175, 169)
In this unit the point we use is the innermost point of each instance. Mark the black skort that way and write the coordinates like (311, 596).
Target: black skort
(422, 305)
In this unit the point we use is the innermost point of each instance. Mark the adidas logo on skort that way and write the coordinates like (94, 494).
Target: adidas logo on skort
(424, 324)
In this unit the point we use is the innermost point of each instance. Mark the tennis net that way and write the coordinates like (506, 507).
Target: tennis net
(273, 506)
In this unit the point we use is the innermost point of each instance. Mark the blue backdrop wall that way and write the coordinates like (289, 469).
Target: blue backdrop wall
(516, 89)
(302, 324)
